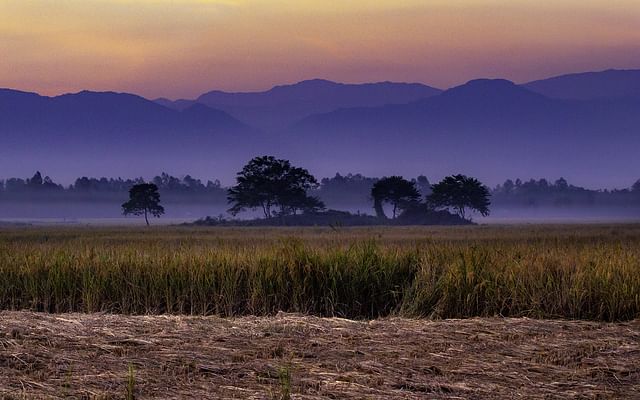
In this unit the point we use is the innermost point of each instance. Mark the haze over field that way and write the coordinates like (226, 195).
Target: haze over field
(492, 89)
(381, 199)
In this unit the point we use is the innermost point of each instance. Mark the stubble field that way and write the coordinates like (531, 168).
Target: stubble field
(461, 312)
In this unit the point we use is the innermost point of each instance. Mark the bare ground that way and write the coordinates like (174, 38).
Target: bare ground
(91, 356)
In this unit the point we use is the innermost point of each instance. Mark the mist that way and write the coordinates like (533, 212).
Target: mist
(490, 129)
(40, 199)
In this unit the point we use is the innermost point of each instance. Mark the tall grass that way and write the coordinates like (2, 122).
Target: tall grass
(569, 272)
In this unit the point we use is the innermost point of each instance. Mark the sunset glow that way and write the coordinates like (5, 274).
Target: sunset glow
(183, 48)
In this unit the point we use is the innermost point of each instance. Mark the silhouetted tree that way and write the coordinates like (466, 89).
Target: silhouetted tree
(346, 190)
(423, 185)
(508, 186)
(36, 180)
(294, 200)
(269, 183)
(394, 190)
(561, 184)
(460, 192)
(144, 199)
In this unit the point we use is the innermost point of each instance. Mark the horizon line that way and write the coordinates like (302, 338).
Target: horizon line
(263, 90)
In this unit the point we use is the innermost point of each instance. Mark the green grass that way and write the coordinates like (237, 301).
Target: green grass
(131, 384)
(568, 271)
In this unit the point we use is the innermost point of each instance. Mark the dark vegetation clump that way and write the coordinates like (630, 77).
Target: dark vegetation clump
(418, 215)
(280, 191)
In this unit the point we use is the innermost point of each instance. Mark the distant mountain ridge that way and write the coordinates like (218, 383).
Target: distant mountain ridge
(119, 129)
(484, 127)
(491, 128)
(283, 105)
(590, 85)
(99, 107)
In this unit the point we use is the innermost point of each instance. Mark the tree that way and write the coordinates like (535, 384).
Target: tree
(36, 180)
(423, 185)
(295, 200)
(508, 186)
(394, 190)
(272, 184)
(144, 199)
(561, 184)
(460, 192)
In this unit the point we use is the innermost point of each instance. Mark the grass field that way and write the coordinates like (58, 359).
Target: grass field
(398, 287)
(564, 271)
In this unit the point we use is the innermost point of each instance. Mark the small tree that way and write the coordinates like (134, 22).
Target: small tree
(268, 183)
(460, 192)
(144, 199)
(394, 190)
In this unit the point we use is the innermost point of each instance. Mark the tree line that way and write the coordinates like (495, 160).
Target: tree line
(165, 182)
(542, 192)
(279, 189)
(348, 190)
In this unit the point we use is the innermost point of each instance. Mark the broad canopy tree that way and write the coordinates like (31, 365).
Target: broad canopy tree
(274, 186)
(394, 190)
(460, 193)
(144, 199)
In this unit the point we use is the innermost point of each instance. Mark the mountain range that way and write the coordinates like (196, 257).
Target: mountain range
(590, 85)
(487, 128)
(582, 126)
(283, 105)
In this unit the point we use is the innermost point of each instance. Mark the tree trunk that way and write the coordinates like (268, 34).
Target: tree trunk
(268, 212)
(461, 212)
(377, 206)
(146, 219)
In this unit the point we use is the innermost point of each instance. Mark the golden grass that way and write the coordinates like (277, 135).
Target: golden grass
(566, 271)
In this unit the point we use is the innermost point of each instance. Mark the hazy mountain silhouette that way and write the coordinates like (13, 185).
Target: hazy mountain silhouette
(113, 129)
(282, 105)
(590, 85)
(179, 105)
(485, 128)
(105, 109)
(491, 129)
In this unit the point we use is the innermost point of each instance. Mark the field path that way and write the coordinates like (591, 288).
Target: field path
(92, 356)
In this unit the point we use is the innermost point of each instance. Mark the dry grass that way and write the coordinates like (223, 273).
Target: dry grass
(301, 357)
(575, 271)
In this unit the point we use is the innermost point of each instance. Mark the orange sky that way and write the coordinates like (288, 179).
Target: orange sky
(181, 48)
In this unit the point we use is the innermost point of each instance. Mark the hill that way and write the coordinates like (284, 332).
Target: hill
(611, 83)
(112, 131)
(283, 105)
(582, 127)
(484, 128)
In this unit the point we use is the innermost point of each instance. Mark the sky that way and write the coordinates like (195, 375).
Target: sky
(180, 49)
